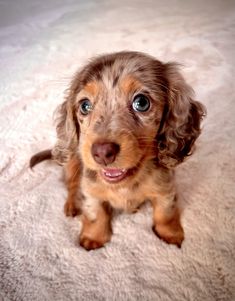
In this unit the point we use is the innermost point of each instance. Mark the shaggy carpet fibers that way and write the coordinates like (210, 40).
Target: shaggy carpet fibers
(42, 43)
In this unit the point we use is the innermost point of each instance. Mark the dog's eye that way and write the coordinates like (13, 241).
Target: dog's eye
(141, 103)
(85, 106)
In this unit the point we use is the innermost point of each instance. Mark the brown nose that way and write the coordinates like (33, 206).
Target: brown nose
(105, 153)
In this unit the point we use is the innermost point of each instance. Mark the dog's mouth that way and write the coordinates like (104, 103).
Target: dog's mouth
(114, 175)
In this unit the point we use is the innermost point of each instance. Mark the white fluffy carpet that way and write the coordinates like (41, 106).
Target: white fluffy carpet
(41, 45)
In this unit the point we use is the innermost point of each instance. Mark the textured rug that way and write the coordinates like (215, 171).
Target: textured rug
(42, 43)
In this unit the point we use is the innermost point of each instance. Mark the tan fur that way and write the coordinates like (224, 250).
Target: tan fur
(91, 88)
(129, 85)
(167, 225)
(150, 144)
(95, 233)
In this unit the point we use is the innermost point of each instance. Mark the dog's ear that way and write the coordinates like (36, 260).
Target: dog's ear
(67, 131)
(180, 125)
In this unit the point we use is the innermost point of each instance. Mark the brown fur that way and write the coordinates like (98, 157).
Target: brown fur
(95, 233)
(151, 143)
(39, 157)
(73, 169)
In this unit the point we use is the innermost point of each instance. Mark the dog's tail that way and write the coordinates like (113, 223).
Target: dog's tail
(39, 157)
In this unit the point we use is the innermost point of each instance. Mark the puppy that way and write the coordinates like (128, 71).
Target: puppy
(127, 121)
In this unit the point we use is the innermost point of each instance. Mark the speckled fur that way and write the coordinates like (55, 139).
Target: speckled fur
(151, 143)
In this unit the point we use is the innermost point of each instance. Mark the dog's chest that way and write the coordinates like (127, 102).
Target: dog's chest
(126, 199)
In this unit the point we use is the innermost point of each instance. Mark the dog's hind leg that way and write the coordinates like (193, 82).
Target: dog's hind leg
(72, 206)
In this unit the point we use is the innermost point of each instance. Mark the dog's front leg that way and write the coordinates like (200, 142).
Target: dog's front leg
(166, 219)
(96, 224)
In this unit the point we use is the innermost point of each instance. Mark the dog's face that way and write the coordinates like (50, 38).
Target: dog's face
(125, 109)
(119, 115)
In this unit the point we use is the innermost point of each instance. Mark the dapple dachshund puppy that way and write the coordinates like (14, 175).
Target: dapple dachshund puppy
(127, 121)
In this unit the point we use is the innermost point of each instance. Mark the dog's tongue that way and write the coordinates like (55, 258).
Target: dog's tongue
(113, 172)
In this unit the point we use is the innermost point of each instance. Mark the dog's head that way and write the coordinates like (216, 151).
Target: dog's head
(125, 109)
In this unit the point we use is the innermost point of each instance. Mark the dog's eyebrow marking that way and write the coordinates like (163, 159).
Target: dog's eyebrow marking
(92, 88)
(129, 84)
(91, 174)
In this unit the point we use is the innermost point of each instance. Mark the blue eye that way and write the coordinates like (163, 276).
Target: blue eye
(85, 106)
(140, 103)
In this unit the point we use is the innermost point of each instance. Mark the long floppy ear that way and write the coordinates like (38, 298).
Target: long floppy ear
(180, 125)
(67, 132)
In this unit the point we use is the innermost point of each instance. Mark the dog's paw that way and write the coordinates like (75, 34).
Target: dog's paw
(90, 244)
(171, 234)
(94, 236)
(71, 210)
(94, 240)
